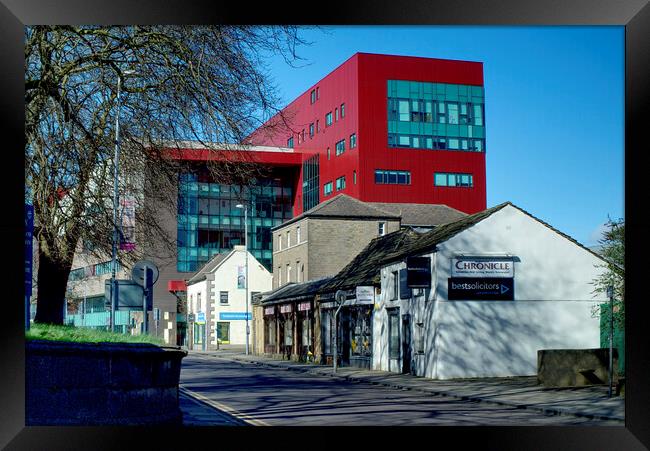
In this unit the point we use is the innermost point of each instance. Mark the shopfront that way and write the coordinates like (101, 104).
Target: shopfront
(286, 326)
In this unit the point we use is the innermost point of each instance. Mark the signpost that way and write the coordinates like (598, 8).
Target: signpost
(340, 297)
(145, 274)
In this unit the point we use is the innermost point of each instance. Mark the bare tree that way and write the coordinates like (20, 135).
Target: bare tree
(178, 84)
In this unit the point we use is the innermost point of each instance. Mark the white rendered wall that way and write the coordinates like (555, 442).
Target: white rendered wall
(552, 307)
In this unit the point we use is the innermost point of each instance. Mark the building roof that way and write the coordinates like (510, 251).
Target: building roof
(343, 206)
(364, 268)
(294, 291)
(210, 266)
(421, 215)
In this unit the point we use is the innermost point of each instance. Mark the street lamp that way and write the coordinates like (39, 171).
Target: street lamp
(116, 198)
(245, 207)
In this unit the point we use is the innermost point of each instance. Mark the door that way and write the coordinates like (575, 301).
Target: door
(393, 341)
(406, 343)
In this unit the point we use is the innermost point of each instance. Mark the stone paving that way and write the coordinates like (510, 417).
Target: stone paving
(521, 392)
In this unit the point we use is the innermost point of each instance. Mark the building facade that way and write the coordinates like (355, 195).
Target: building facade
(217, 298)
(384, 128)
(500, 289)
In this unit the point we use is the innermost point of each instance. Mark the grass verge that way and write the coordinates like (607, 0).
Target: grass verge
(85, 335)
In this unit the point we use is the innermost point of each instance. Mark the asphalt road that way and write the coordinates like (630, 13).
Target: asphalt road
(242, 393)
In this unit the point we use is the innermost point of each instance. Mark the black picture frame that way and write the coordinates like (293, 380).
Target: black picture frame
(634, 15)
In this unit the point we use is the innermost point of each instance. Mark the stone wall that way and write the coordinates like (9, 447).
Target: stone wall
(101, 384)
(574, 367)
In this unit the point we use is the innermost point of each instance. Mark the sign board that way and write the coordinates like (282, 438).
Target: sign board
(482, 267)
(365, 294)
(137, 273)
(269, 310)
(127, 239)
(129, 295)
(241, 276)
(156, 314)
(481, 289)
(327, 305)
(285, 308)
(200, 318)
(418, 272)
(234, 316)
(405, 291)
(304, 306)
(191, 317)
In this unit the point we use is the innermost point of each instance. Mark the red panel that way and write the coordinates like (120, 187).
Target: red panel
(361, 84)
(253, 156)
(176, 285)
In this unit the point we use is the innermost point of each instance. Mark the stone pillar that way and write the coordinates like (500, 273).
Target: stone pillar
(317, 338)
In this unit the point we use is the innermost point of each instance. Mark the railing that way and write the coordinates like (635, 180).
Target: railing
(99, 319)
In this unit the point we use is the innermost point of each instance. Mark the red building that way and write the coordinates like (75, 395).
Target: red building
(384, 128)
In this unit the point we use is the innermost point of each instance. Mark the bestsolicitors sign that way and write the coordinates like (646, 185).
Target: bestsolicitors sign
(481, 289)
(482, 267)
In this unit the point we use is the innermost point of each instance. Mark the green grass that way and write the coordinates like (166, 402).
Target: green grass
(84, 335)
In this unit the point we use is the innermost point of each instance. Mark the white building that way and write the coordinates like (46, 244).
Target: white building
(217, 297)
(503, 286)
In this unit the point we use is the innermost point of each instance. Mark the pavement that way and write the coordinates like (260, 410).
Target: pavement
(521, 392)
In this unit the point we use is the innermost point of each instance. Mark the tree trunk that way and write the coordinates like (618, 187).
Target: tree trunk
(52, 282)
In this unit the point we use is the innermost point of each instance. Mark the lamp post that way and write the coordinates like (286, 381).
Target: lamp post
(116, 199)
(245, 207)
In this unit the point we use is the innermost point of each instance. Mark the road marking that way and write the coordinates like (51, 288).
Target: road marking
(217, 405)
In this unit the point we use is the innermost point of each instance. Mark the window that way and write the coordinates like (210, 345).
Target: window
(311, 130)
(444, 179)
(279, 275)
(298, 235)
(327, 188)
(452, 112)
(312, 96)
(288, 273)
(353, 140)
(328, 153)
(382, 228)
(223, 297)
(303, 135)
(198, 302)
(336, 114)
(395, 283)
(317, 125)
(392, 177)
(419, 338)
(298, 273)
(328, 119)
(279, 242)
(223, 333)
(317, 93)
(340, 183)
(340, 147)
(354, 177)
(342, 110)
(290, 142)
(403, 108)
(288, 238)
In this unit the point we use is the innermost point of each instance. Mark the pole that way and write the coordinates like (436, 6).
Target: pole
(610, 292)
(246, 282)
(336, 334)
(116, 161)
(145, 291)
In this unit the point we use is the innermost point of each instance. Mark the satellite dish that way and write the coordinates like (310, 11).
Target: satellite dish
(137, 273)
(340, 296)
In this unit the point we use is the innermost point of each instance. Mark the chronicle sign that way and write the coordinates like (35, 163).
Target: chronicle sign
(482, 267)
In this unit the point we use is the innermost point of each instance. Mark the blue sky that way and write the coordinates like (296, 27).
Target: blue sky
(554, 108)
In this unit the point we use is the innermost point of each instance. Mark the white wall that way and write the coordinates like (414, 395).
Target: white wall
(553, 298)
(225, 279)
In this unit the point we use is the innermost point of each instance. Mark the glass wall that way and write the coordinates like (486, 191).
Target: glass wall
(436, 116)
(210, 223)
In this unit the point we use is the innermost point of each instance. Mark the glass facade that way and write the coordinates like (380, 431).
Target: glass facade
(435, 116)
(310, 184)
(210, 223)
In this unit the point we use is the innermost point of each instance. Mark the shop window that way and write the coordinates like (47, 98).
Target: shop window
(327, 329)
(269, 336)
(288, 332)
(393, 335)
(361, 332)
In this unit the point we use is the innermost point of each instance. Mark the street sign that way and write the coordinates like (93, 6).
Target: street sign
(234, 316)
(156, 314)
(190, 317)
(200, 318)
(129, 295)
(137, 273)
(481, 289)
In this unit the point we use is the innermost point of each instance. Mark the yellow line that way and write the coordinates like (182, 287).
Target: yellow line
(242, 416)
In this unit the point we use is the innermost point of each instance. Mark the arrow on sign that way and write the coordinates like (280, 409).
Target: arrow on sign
(504, 289)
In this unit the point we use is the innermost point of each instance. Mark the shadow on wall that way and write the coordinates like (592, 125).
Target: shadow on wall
(501, 338)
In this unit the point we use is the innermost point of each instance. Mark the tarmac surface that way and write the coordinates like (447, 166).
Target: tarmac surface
(521, 392)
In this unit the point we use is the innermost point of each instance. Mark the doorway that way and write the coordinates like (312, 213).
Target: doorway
(393, 341)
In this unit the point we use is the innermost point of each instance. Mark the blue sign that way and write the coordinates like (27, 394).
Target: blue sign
(29, 232)
(200, 317)
(225, 316)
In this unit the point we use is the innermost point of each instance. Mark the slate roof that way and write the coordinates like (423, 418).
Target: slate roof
(294, 291)
(364, 268)
(421, 215)
(343, 206)
(208, 267)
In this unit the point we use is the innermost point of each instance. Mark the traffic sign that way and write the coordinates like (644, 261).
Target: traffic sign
(137, 273)
(200, 318)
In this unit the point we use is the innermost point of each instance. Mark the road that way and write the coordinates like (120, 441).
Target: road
(244, 393)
